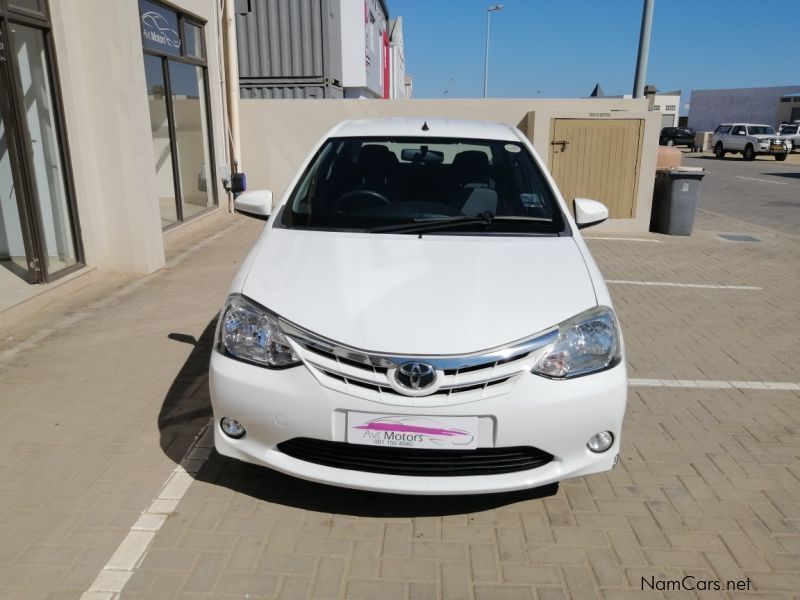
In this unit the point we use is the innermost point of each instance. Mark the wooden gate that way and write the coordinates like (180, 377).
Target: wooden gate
(598, 159)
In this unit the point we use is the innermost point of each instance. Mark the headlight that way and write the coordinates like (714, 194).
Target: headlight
(249, 332)
(586, 343)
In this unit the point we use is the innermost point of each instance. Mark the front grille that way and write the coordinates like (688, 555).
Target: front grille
(463, 378)
(415, 462)
(385, 389)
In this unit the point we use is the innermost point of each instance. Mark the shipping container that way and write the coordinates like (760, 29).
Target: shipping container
(293, 90)
(286, 46)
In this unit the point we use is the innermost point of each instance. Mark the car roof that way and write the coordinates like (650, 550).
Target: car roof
(425, 127)
(746, 124)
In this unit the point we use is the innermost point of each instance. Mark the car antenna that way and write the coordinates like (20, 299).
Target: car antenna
(425, 126)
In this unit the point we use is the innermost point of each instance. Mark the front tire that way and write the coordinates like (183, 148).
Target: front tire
(780, 157)
(749, 153)
(719, 151)
(670, 143)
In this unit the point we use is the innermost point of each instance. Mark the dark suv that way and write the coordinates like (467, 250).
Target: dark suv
(676, 136)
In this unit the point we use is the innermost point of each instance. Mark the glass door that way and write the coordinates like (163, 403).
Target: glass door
(58, 249)
(39, 234)
(17, 253)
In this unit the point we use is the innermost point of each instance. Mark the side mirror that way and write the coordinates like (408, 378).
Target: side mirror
(740, 133)
(256, 204)
(589, 212)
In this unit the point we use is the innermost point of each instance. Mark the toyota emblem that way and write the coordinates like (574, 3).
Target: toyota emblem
(415, 375)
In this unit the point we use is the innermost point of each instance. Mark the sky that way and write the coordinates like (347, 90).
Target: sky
(562, 48)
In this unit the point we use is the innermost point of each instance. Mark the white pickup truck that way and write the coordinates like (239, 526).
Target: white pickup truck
(749, 140)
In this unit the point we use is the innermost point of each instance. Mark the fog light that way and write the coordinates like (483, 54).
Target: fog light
(234, 429)
(599, 442)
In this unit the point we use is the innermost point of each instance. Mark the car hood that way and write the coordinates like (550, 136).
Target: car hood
(405, 294)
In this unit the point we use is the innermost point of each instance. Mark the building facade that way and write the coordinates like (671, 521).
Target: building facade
(112, 136)
(317, 49)
(668, 104)
(709, 108)
(397, 61)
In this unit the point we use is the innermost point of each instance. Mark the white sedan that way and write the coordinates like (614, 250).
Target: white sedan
(420, 315)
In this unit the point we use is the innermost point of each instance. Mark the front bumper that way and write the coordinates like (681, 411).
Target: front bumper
(772, 149)
(558, 417)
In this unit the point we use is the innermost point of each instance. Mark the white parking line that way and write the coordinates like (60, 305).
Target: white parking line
(715, 384)
(131, 552)
(621, 239)
(762, 180)
(704, 286)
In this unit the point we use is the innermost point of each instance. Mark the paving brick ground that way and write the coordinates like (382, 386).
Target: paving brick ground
(96, 415)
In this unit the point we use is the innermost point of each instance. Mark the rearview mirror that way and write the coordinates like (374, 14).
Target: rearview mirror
(255, 203)
(589, 212)
(423, 155)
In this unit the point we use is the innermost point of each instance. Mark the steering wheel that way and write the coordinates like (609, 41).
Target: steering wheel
(370, 199)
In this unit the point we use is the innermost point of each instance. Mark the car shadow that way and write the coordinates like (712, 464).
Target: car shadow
(186, 410)
(788, 175)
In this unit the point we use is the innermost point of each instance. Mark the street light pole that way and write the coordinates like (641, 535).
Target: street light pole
(489, 11)
(644, 49)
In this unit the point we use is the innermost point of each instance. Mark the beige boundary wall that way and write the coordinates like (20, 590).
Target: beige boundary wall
(277, 134)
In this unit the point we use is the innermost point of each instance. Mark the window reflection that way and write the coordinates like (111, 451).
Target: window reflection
(28, 47)
(193, 39)
(191, 136)
(159, 129)
(12, 244)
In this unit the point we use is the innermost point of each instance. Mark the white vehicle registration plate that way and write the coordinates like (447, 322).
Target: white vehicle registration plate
(410, 431)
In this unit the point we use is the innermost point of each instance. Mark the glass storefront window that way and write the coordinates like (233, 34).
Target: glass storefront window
(193, 38)
(177, 92)
(34, 6)
(13, 255)
(191, 136)
(162, 149)
(39, 231)
(27, 45)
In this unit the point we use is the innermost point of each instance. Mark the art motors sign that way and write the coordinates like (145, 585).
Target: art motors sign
(160, 29)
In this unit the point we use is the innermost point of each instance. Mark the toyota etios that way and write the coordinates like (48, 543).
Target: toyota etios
(420, 315)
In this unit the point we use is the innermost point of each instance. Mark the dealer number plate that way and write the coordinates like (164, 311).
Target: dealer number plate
(409, 431)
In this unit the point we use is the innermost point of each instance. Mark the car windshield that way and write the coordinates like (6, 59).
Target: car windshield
(381, 184)
(760, 130)
(790, 129)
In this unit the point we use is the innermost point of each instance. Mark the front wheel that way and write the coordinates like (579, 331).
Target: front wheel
(719, 151)
(670, 142)
(749, 153)
(780, 157)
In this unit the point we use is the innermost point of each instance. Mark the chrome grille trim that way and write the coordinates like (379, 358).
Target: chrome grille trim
(311, 341)
(461, 378)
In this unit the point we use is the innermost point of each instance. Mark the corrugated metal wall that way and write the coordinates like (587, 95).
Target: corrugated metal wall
(284, 49)
(289, 91)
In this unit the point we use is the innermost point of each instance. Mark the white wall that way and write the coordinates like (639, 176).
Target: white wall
(362, 48)
(354, 74)
(397, 64)
(669, 107)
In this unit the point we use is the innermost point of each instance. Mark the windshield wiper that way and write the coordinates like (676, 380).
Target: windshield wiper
(432, 224)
